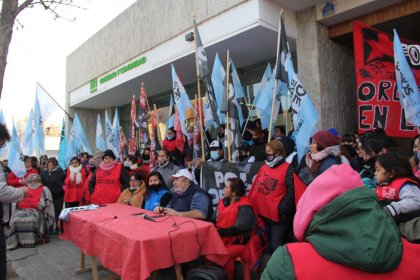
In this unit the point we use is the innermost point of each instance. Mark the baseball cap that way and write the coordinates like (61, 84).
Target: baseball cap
(183, 173)
(215, 144)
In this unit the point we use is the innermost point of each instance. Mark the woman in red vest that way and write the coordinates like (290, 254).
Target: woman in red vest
(13, 180)
(343, 234)
(398, 188)
(33, 217)
(272, 193)
(109, 180)
(74, 183)
(235, 220)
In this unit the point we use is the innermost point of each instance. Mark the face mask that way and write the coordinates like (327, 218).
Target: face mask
(269, 157)
(162, 163)
(249, 142)
(221, 135)
(178, 190)
(170, 137)
(133, 188)
(214, 155)
(153, 186)
(242, 157)
(418, 155)
(127, 163)
(145, 157)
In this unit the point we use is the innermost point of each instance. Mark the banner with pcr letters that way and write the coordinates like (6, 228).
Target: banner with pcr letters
(214, 176)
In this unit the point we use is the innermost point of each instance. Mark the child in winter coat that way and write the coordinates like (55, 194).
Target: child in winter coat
(398, 188)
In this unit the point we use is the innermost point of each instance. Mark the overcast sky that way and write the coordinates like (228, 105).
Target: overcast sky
(39, 49)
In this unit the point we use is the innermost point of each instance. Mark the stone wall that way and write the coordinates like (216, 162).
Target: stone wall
(326, 70)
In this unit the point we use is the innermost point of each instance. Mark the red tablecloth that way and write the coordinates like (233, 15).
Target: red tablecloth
(134, 247)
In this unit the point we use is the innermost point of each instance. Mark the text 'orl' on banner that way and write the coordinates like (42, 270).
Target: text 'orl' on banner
(378, 103)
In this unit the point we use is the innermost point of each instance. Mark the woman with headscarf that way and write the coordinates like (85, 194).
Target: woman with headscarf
(33, 217)
(108, 181)
(324, 152)
(53, 178)
(74, 183)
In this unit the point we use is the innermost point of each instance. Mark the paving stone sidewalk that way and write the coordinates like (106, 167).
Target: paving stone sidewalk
(57, 259)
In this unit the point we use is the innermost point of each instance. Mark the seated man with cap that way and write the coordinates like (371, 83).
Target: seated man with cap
(188, 199)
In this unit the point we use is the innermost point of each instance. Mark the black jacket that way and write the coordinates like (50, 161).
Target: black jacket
(54, 181)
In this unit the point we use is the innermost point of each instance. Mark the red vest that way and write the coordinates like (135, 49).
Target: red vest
(268, 191)
(391, 192)
(227, 216)
(308, 264)
(32, 200)
(108, 186)
(73, 191)
(170, 145)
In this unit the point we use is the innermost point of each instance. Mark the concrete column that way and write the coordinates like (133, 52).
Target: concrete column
(326, 70)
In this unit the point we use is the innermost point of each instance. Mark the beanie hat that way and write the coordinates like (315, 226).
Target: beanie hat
(108, 153)
(325, 139)
(325, 188)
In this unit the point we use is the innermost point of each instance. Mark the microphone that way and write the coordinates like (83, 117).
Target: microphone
(148, 218)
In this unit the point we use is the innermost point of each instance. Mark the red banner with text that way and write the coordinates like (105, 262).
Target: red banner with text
(378, 104)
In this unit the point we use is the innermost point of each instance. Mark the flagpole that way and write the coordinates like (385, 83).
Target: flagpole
(55, 101)
(199, 97)
(227, 99)
(157, 123)
(276, 82)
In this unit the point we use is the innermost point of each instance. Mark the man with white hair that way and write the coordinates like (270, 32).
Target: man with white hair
(188, 199)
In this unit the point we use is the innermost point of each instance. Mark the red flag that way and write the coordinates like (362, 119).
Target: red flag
(123, 143)
(178, 129)
(197, 153)
(154, 147)
(133, 143)
(144, 132)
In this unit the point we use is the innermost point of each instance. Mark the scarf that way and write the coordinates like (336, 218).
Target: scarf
(52, 170)
(317, 157)
(134, 166)
(75, 175)
(109, 166)
(274, 162)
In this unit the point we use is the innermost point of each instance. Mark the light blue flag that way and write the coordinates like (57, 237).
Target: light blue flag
(108, 132)
(305, 116)
(63, 147)
(171, 117)
(38, 142)
(100, 141)
(407, 86)
(27, 148)
(116, 134)
(3, 121)
(47, 104)
(218, 80)
(239, 91)
(82, 141)
(16, 163)
(264, 101)
(182, 101)
(73, 145)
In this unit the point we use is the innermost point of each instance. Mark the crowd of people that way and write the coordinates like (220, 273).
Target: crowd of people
(342, 184)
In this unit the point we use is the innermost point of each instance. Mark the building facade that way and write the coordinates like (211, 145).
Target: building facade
(141, 44)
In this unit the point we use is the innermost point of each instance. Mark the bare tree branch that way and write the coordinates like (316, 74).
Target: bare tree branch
(23, 6)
